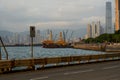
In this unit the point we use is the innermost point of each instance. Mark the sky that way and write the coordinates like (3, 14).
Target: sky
(18, 15)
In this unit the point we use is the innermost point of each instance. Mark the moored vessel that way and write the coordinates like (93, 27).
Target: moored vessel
(60, 43)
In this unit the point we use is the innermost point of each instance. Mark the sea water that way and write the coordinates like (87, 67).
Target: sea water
(39, 52)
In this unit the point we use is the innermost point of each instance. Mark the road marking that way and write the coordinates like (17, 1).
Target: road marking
(39, 78)
(76, 72)
(111, 67)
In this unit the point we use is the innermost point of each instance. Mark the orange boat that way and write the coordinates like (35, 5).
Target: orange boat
(60, 43)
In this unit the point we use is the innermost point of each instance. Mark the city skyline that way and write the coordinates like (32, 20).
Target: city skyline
(12, 38)
(17, 16)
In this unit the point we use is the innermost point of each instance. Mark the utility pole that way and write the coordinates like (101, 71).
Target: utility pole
(32, 35)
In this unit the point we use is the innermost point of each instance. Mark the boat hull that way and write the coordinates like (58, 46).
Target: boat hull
(56, 46)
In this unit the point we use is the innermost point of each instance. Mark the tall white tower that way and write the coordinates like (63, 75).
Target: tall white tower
(89, 31)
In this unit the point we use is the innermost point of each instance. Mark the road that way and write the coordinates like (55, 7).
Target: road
(94, 71)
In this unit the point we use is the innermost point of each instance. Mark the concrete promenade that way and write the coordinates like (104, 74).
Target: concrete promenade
(95, 71)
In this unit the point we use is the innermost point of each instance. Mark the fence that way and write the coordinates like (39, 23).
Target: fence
(8, 65)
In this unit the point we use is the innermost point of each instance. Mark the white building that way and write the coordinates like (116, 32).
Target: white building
(94, 30)
(89, 31)
(37, 37)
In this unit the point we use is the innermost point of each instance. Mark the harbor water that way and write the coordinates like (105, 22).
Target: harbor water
(39, 52)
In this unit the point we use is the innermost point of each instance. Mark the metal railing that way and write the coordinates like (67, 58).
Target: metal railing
(2, 45)
(8, 65)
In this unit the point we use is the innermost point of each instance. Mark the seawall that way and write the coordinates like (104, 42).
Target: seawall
(99, 47)
(95, 47)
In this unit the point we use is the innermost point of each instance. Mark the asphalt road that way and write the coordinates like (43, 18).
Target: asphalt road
(96, 71)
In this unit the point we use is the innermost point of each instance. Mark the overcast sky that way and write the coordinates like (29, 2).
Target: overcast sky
(18, 15)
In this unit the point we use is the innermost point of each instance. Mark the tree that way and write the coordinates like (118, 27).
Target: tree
(117, 32)
(105, 38)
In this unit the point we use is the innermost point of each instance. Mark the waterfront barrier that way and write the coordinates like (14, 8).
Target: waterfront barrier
(8, 65)
(99, 47)
(95, 47)
(113, 48)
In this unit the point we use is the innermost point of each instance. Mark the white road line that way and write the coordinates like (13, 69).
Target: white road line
(76, 72)
(40, 78)
(111, 67)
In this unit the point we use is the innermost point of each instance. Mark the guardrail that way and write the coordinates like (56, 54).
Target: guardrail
(8, 65)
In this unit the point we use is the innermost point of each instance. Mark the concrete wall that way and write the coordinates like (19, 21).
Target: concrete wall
(90, 47)
(112, 48)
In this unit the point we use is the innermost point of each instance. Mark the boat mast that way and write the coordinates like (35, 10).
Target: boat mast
(50, 36)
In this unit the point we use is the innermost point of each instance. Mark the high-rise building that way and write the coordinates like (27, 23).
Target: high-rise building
(99, 28)
(16, 38)
(117, 15)
(94, 30)
(108, 17)
(89, 31)
(38, 37)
